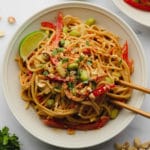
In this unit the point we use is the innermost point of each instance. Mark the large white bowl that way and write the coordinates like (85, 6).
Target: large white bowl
(28, 118)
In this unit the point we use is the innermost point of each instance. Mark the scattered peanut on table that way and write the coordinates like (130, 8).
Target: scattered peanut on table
(11, 20)
(136, 145)
(2, 33)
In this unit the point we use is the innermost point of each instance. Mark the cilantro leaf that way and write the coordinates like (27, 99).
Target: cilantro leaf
(8, 141)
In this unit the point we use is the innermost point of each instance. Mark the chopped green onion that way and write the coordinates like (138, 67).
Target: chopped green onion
(89, 62)
(60, 49)
(45, 73)
(80, 59)
(57, 50)
(54, 52)
(62, 43)
(93, 84)
(50, 102)
(70, 85)
(64, 60)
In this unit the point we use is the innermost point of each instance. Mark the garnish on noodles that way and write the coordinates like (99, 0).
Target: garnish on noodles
(69, 78)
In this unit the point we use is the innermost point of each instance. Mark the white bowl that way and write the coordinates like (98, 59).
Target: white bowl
(28, 118)
(138, 15)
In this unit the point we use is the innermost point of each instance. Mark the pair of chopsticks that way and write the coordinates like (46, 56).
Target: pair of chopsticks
(131, 108)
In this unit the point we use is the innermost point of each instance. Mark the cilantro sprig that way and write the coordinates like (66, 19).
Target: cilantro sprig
(8, 141)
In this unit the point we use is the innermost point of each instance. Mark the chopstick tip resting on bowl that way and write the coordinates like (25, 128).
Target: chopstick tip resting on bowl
(131, 108)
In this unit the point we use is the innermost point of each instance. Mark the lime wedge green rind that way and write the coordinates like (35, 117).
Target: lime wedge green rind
(30, 42)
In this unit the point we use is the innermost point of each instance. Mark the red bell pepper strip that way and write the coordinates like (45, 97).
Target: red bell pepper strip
(102, 89)
(59, 27)
(58, 79)
(125, 55)
(48, 25)
(54, 60)
(54, 123)
(139, 5)
(125, 52)
(87, 51)
(90, 126)
(96, 125)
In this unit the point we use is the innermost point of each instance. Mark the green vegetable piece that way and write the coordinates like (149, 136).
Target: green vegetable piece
(75, 33)
(67, 42)
(45, 73)
(30, 42)
(90, 21)
(120, 62)
(60, 49)
(64, 60)
(65, 29)
(54, 52)
(57, 50)
(70, 85)
(84, 75)
(114, 113)
(109, 80)
(87, 43)
(73, 66)
(62, 43)
(50, 102)
(5, 139)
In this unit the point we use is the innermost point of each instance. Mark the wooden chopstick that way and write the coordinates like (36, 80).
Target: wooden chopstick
(131, 108)
(134, 86)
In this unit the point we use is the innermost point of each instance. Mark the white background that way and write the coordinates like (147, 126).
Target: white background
(21, 10)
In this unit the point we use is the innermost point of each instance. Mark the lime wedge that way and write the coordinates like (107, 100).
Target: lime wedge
(30, 42)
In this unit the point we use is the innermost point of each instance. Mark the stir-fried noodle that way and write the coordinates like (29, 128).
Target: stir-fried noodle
(72, 75)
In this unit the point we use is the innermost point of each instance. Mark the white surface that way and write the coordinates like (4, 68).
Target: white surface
(142, 17)
(140, 126)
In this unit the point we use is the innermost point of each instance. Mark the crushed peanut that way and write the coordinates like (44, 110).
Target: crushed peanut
(2, 33)
(136, 145)
(11, 20)
(71, 131)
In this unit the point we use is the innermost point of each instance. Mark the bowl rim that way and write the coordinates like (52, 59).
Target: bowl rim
(52, 8)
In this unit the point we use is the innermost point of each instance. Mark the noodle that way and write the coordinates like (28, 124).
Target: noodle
(71, 76)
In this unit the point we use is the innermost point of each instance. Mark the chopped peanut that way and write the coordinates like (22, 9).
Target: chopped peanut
(2, 33)
(137, 145)
(11, 20)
